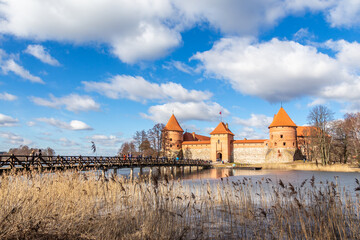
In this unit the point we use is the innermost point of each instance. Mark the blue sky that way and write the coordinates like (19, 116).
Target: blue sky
(72, 72)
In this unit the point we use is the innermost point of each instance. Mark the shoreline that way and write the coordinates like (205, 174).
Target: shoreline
(298, 165)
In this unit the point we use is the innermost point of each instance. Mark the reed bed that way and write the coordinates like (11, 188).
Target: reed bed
(75, 205)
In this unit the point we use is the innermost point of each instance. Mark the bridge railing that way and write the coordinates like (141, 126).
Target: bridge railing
(40, 161)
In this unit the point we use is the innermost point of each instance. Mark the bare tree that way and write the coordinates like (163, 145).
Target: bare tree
(319, 117)
(352, 128)
(126, 148)
(340, 148)
(155, 137)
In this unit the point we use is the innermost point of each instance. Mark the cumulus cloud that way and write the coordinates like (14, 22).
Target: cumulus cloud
(105, 140)
(138, 89)
(204, 111)
(283, 70)
(251, 133)
(14, 139)
(7, 121)
(7, 96)
(147, 30)
(72, 102)
(11, 66)
(256, 120)
(75, 125)
(346, 13)
(40, 53)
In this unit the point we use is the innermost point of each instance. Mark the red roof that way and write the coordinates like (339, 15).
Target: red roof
(195, 142)
(195, 137)
(221, 129)
(250, 141)
(305, 131)
(173, 125)
(282, 119)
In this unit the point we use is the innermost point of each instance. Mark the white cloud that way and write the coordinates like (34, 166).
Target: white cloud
(204, 111)
(15, 139)
(346, 13)
(67, 143)
(11, 66)
(7, 121)
(73, 125)
(251, 133)
(284, 70)
(104, 140)
(134, 30)
(40, 53)
(256, 120)
(31, 123)
(7, 96)
(179, 66)
(72, 102)
(138, 30)
(138, 89)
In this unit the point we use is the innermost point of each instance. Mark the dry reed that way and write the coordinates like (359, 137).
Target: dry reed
(74, 205)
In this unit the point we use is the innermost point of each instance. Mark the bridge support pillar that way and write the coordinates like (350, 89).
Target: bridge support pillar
(189, 169)
(141, 171)
(182, 169)
(197, 168)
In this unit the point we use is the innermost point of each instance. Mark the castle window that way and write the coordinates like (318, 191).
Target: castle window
(275, 143)
(293, 144)
(170, 139)
(170, 145)
(219, 141)
(284, 143)
(281, 136)
(177, 145)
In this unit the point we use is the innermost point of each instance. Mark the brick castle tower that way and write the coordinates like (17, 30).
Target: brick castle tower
(282, 142)
(221, 139)
(172, 137)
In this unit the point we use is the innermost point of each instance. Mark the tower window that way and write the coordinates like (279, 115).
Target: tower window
(170, 139)
(281, 136)
(284, 143)
(170, 145)
(293, 144)
(218, 141)
(275, 143)
(177, 145)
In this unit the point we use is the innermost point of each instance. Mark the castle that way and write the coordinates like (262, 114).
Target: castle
(285, 143)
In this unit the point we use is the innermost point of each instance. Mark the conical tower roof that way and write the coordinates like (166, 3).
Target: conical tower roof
(221, 129)
(173, 125)
(282, 119)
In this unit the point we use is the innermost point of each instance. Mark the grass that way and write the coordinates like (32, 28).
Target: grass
(298, 165)
(73, 205)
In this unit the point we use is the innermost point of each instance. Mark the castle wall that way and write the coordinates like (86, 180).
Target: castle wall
(249, 153)
(196, 151)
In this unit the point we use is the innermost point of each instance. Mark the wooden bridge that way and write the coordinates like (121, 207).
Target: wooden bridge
(39, 162)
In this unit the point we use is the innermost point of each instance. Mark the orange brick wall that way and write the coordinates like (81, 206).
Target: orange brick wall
(281, 135)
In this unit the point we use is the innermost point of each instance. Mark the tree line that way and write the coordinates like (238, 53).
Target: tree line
(329, 140)
(145, 142)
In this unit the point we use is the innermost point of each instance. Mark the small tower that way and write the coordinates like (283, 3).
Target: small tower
(282, 142)
(172, 136)
(221, 147)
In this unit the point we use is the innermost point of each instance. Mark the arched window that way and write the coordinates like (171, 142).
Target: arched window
(281, 136)
(293, 144)
(170, 145)
(218, 141)
(170, 139)
(284, 143)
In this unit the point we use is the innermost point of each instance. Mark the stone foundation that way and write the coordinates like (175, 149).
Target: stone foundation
(280, 155)
(197, 153)
(249, 155)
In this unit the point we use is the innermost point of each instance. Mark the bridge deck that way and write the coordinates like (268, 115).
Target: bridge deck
(8, 162)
